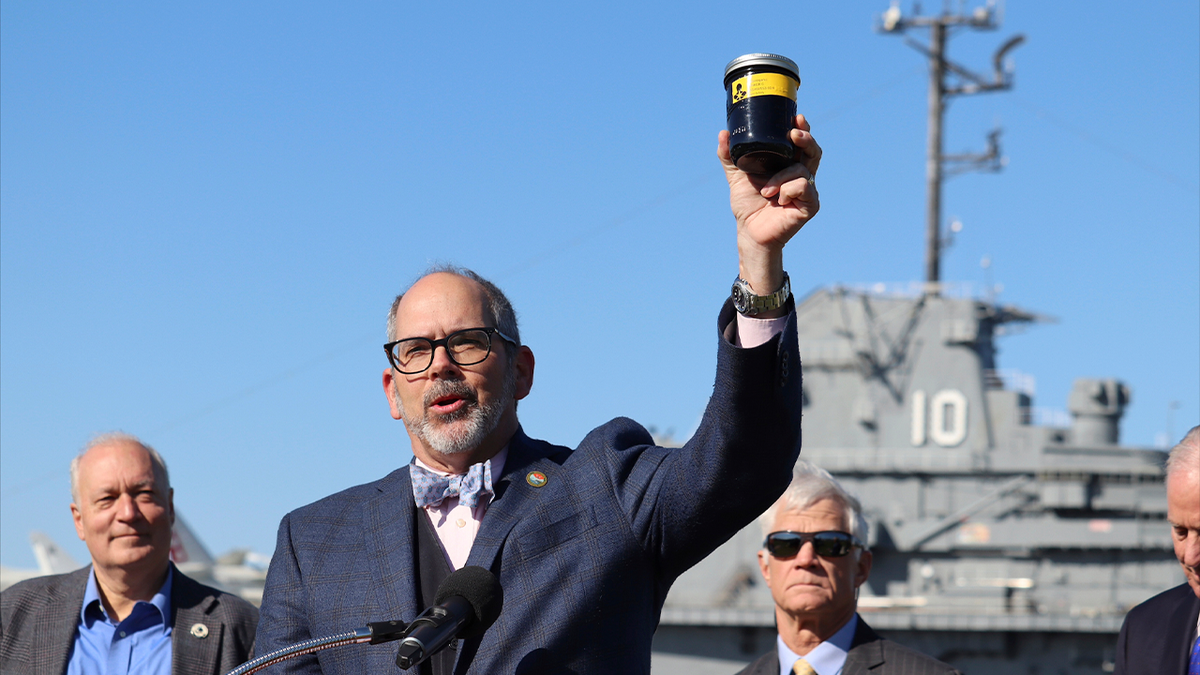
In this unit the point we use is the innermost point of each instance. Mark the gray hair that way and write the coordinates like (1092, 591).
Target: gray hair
(1185, 457)
(499, 309)
(113, 437)
(810, 484)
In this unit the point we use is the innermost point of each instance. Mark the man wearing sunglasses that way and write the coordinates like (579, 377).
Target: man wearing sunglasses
(814, 559)
(586, 542)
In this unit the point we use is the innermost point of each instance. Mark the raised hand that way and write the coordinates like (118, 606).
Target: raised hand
(770, 210)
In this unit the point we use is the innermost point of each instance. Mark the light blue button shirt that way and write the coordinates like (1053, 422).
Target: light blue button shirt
(827, 658)
(139, 644)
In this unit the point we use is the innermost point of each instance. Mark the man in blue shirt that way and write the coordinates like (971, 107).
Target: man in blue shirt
(131, 610)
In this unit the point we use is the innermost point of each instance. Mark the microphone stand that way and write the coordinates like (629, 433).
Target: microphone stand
(373, 633)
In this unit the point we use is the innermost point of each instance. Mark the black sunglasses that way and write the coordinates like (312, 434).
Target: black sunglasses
(830, 544)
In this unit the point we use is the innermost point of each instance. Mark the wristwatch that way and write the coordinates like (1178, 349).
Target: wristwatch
(749, 304)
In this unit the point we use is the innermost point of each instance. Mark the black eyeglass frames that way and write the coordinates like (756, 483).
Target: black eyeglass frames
(829, 544)
(464, 347)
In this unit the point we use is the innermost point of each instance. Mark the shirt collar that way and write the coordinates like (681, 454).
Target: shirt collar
(497, 464)
(827, 658)
(91, 598)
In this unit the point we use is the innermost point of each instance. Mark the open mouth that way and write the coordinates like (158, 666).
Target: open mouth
(449, 399)
(446, 405)
(451, 402)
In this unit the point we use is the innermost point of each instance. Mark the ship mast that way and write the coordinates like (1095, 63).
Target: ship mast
(947, 79)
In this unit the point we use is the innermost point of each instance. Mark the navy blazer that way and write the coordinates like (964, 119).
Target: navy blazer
(40, 617)
(869, 655)
(585, 561)
(1157, 635)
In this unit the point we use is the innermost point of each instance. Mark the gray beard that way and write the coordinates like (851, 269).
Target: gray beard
(481, 420)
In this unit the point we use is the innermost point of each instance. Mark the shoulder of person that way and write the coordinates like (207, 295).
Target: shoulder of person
(187, 593)
(1170, 598)
(619, 433)
(351, 495)
(767, 664)
(44, 588)
(923, 663)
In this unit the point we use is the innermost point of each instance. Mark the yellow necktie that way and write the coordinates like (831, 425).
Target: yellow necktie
(802, 668)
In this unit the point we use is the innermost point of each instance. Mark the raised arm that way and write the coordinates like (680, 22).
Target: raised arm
(770, 210)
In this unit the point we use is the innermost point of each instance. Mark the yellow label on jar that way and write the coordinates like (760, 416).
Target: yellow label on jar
(763, 84)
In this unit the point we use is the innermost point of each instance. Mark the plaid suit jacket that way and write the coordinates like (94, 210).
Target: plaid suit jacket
(869, 655)
(585, 560)
(41, 615)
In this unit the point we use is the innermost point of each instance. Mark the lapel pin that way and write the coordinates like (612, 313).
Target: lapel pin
(200, 630)
(536, 478)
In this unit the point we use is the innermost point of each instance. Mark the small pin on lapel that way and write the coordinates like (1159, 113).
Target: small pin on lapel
(199, 630)
(536, 478)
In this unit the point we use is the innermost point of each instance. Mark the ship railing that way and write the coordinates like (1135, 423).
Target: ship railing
(1050, 417)
(1011, 379)
(896, 459)
(964, 290)
(908, 614)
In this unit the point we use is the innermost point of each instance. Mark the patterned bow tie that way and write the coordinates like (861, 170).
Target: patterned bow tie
(430, 489)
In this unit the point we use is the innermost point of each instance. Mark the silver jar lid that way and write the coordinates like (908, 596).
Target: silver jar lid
(764, 60)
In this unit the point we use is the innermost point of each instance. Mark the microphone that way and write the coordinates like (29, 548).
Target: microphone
(467, 604)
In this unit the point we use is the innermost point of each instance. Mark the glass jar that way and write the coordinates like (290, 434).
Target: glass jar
(760, 106)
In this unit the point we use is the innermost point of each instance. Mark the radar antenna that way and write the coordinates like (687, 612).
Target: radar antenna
(941, 87)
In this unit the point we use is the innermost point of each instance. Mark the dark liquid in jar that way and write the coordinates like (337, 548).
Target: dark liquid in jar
(759, 127)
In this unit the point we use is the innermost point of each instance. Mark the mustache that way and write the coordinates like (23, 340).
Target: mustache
(450, 388)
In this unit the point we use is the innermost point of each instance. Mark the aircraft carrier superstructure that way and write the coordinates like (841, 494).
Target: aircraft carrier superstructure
(1006, 539)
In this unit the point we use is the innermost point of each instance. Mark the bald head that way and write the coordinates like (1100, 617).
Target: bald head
(117, 438)
(1183, 505)
(496, 305)
(1185, 457)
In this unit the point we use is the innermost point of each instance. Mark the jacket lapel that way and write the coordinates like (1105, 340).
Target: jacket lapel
(388, 520)
(514, 495)
(66, 603)
(196, 636)
(866, 650)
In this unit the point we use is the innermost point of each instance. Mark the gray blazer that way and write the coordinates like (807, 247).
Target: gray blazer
(39, 617)
(869, 655)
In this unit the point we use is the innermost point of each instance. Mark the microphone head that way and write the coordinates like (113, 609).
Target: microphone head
(481, 589)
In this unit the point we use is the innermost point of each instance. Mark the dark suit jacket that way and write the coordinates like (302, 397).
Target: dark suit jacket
(1157, 636)
(41, 616)
(585, 561)
(869, 655)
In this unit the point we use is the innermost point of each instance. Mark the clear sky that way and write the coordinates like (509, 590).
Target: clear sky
(205, 210)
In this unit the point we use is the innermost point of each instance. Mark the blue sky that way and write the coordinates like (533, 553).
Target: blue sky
(205, 211)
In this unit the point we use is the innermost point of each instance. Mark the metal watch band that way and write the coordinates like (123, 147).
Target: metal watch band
(749, 304)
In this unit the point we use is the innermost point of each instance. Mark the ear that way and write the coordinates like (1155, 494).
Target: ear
(390, 392)
(524, 364)
(77, 516)
(862, 570)
(764, 567)
(171, 504)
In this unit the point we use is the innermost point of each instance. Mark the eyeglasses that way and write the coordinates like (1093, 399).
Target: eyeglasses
(830, 544)
(464, 347)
